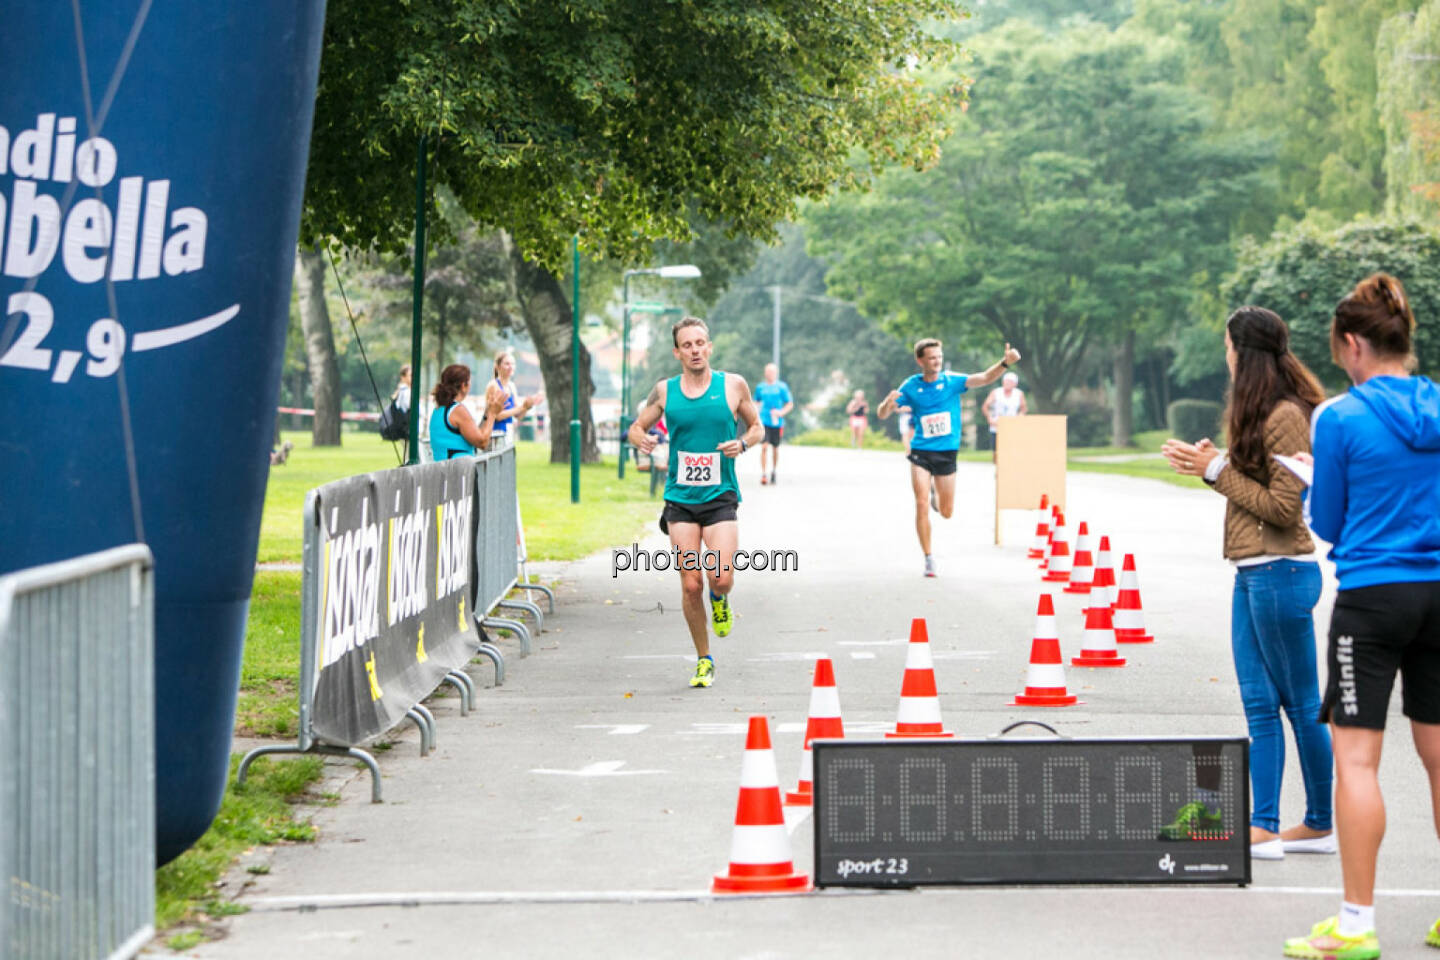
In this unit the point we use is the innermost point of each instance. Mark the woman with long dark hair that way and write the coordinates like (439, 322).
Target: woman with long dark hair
(1376, 499)
(453, 431)
(1277, 578)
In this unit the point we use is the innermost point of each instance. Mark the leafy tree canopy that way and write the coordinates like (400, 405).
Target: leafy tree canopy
(1077, 200)
(1407, 54)
(1303, 272)
(820, 334)
(615, 119)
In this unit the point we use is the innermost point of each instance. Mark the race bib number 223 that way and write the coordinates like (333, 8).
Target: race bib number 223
(698, 469)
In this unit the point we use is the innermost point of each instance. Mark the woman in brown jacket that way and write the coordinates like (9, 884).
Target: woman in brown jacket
(1277, 578)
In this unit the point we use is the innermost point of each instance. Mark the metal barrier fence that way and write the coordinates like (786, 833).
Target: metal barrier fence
(497, 547)
(77, 800)
(492, 575)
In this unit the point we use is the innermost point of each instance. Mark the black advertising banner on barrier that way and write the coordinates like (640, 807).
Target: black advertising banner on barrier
(394, 555)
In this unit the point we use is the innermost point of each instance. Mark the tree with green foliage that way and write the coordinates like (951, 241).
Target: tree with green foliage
(820, 335)
(1304, 71)
(1408, 67)
(1046, 14)
(469, 287)
(1071, 211)
(612, 119)
(1303, 272)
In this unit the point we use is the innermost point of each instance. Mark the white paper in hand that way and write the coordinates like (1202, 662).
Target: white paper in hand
(1300, 468)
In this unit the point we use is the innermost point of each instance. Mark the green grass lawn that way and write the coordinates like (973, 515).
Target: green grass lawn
(1147, 442)
(270, 670)
(261, 812)
(610, 511)
(840, 437)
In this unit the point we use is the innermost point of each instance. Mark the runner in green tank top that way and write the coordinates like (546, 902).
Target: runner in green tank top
(701, 407)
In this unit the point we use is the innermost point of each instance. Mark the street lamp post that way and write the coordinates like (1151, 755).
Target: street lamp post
(683, 271)
(575, 370)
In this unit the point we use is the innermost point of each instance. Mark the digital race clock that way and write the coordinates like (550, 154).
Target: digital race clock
(903, 813)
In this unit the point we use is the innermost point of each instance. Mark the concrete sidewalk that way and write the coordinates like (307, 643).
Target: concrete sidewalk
(582, 809)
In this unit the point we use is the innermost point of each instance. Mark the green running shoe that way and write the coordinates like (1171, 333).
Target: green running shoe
(1433, 937)
(1194, 821)
(720, 616)
(704, 673)
(1325, 942)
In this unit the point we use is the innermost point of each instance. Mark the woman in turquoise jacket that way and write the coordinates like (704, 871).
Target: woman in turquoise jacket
(453, 431)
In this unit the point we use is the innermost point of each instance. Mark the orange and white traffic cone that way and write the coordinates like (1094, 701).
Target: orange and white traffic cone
(1042, 530)
(1082, 574)
(1058, 570)
(1050, 536)
(760, 860)
(1098, 647)
(919, 701)
(1129, 616)
(824, 723)
(1102, 587)
(1045, 680)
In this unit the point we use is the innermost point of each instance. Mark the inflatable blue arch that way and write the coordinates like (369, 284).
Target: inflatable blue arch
(152, 164)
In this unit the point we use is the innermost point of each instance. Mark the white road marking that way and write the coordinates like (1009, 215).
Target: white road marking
(601, 768)
(735, 729)
(481, 897)
(616, 729)
(784, 657)
(962, 654)
(478, 897)
(861, 655)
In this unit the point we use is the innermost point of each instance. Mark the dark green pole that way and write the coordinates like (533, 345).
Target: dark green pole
(575, 370)
(624, 374)
(418, 298)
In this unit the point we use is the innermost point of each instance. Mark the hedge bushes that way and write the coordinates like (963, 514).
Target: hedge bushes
(1192, 420)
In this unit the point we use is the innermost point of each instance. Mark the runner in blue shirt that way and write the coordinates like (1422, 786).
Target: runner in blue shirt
(933, 396)
(773, 396)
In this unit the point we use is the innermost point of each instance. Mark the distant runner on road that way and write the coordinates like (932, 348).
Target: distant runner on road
(773, 395)
(933, 396)
(700, 407)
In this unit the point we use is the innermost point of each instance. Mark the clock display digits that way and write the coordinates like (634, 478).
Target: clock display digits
(1067, 810)
(1138, 797)
(929, 827)
(855, 806)
(995, 812)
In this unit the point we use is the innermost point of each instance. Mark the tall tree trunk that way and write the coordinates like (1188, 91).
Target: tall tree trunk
(548, 320)
(1124, 376)
(319, 347)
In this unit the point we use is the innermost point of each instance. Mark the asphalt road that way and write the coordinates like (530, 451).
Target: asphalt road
(585, 805)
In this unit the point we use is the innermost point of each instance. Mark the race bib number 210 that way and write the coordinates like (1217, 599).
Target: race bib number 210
(698, 469)
(935, 424)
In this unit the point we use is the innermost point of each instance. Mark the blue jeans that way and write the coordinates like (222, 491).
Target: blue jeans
(1273, 638)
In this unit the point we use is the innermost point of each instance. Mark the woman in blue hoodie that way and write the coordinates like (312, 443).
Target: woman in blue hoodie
(1376, 499)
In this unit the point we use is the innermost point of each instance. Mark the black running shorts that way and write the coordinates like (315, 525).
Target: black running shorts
(1374, 632)
(939, 463)
(773, 435)
(706, 514)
